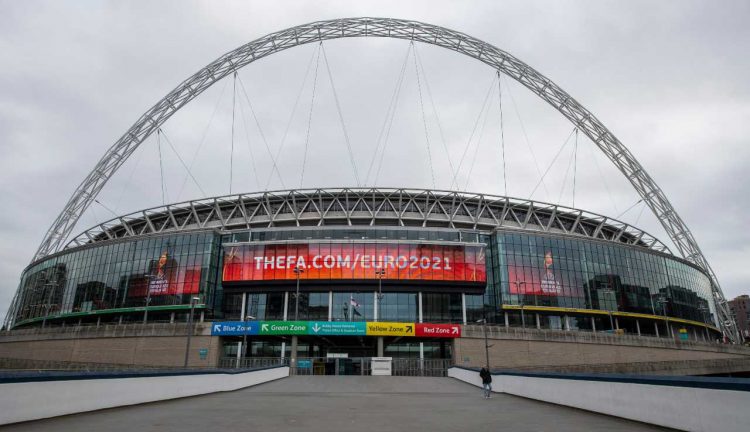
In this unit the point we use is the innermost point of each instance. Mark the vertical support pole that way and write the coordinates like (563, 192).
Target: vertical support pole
(617, 323)
(593, 323)
(421, 358)
(463, 306)
(566, 323)
(506, 319)
(286, 305)
(240, 344)
(375, 306)
(638, 327)
(420, 308)
(330, 305)
(171, 318)
(656, 327)
(380, 347)
(538, 322)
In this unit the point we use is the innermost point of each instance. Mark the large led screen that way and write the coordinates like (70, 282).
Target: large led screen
(540, 279)
(399, 261)
(166, 277)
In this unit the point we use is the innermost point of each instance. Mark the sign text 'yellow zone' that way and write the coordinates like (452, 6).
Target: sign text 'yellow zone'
(390, 329)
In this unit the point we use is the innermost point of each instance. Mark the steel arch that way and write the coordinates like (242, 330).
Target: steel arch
(398, 29)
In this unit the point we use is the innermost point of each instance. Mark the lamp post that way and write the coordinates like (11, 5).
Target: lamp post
(193, 300)
(293, 358)
(244, 336)
(486, 342)
(518, 284)
(663, 301)
(148, 297)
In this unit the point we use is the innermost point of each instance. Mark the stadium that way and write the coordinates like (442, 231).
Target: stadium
(315, 276)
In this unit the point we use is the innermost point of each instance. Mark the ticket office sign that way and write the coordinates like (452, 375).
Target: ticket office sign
(355, 261)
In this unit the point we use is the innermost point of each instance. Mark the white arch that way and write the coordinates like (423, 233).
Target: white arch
(149, 122)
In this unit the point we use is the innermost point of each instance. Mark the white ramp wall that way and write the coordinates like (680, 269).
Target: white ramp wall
(37, 399)
(685, 403)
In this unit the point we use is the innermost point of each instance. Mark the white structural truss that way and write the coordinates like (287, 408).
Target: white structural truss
(363, 207)
(500, 60)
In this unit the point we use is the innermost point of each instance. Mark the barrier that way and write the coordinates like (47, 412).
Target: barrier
(25, 396)
(685, 403)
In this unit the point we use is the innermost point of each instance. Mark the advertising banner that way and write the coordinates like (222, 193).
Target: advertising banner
(329, 261)
(165, 276)
(540, 279)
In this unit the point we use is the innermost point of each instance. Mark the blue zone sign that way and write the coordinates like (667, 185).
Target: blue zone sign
(234, 328)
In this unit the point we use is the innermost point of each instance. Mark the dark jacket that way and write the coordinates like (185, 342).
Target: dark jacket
(486, 376)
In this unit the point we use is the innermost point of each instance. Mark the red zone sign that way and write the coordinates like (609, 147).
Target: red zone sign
(438, 330)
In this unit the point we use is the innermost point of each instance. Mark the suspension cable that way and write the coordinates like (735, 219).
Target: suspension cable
(291, 116)
(388, 116)
(640, 213)
(424, 122)
(161, 169)
(106, 208)
(275, 166)
(471, 136)
(476, 149)
(309, 116)
(231, 151)
(567, 171)
(203, 138)
(341, 116)
(399, 86)
(434, 111)
(604, 180)
(526, 139)
(184, 165)
(628, 209)
(249, 144)
(502, 131)
(541, 180)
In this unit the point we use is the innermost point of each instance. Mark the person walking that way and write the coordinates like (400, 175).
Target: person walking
(486, 382)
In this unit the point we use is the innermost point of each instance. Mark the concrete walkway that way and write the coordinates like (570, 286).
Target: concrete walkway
(324, 404)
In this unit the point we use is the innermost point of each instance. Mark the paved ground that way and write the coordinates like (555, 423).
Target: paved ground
(324, 404)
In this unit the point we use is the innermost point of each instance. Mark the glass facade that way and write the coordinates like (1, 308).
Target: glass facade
(160, 271)
(523, 270)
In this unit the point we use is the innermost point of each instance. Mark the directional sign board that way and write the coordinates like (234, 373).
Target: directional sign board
(334, 328)
(439, 330)
(283, 327)
(390, 329)
(337, 328)
(234, 328)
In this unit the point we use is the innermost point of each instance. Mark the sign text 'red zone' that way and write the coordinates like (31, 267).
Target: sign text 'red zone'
(355, 261)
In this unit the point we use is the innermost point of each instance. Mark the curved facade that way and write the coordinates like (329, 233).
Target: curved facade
(370, 255)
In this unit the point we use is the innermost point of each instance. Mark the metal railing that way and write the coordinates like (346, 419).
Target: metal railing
(251, 362)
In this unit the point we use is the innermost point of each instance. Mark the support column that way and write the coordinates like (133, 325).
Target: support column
(375, 305)
(538, 323)
(463, 306)
(286, 304)
(171, 318)
(420, 311)
(617, 323)
(593, 323)
(381, 350)
(566, 323)
(638, 327)
(421, 356)
(656, 327)
(330, 305)
(293, 356)
(242, 318)
(506, 319)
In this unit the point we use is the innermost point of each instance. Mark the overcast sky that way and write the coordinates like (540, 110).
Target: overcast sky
(668, 78)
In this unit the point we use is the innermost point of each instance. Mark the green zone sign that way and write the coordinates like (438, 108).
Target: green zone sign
(283, 328)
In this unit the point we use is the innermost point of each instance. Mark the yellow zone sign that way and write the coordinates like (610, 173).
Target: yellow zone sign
(390, 329)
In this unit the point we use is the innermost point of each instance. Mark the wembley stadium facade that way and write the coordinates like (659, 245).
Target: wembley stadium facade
(369, 271)
(369, 255)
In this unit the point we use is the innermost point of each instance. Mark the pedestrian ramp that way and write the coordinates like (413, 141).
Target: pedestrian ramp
(364, 384)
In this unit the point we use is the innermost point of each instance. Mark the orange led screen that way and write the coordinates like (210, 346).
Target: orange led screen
(429, 262)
